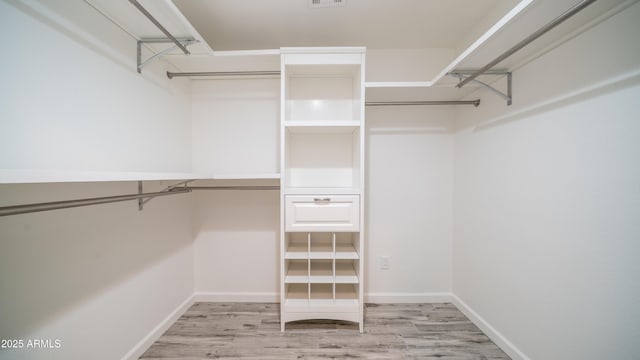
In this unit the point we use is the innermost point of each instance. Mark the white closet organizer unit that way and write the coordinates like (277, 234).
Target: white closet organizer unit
(322, 184)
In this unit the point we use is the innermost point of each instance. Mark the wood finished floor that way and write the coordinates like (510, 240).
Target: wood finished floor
(392, 331)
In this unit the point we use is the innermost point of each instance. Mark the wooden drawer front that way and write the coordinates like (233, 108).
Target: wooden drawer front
(322, 213)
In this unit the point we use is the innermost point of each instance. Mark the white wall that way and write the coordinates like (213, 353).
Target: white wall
(547, 200)
(99, 278)
(409, 203)
(71, 99)
(236, 126)
(406, 64)
(237, 245)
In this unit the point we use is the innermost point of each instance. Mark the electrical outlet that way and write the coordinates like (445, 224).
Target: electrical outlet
(385, 262)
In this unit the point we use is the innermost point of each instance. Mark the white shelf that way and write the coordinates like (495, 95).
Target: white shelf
(346, 273)
(321, 255)
(323, 191)
(320, 126)
(297, 272)
(396, 84)
(247, 176)
(346, 252)
(296, 255)
(8, 176)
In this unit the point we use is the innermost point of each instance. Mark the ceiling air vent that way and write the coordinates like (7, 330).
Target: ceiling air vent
(326, 3)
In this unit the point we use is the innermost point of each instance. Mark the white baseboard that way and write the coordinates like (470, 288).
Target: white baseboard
(160, 329)
(380, 298)
(407, 298)
(493, 334)
(257, 297)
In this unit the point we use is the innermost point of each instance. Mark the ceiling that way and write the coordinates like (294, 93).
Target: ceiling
(376, 24)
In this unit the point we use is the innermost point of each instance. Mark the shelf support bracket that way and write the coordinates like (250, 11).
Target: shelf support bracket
(142, 202)
(142, 63)
(508, 97)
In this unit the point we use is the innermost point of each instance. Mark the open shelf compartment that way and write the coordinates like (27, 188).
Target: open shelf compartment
(297, 245)
(347, 245)
(321, 245)
(321, 271)
(322, 159)
(323, 93)
(297, 272)
(346, 272)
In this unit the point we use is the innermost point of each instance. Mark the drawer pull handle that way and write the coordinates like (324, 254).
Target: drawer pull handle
(321, 200)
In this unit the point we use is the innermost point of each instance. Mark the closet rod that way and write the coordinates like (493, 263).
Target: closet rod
(274, 187)
(159, 26)
(29, 208)
(171, 75)
(410, 103)
(557, 21)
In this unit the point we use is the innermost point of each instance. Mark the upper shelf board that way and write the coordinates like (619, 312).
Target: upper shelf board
(246, 176)
(321, 126)
(128, 18)
(10, 176)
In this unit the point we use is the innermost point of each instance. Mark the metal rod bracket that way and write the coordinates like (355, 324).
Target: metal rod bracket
(180, 186)
(142, 63)
(140, 200)
(463, 75)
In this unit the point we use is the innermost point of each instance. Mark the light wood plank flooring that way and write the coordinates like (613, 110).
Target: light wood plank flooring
(252, 331)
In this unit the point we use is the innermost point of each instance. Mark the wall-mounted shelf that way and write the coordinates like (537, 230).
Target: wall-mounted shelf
(321, 126)
(247, 176)
(158, 27)
(534, 22)
(10, 176)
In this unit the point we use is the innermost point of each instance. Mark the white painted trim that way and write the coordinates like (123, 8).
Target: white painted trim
(380, 298)
(264, 52)
(408, 298)
(157, 331)
(403, 84)
(323, 50)
(493, 334)
(257, 297)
